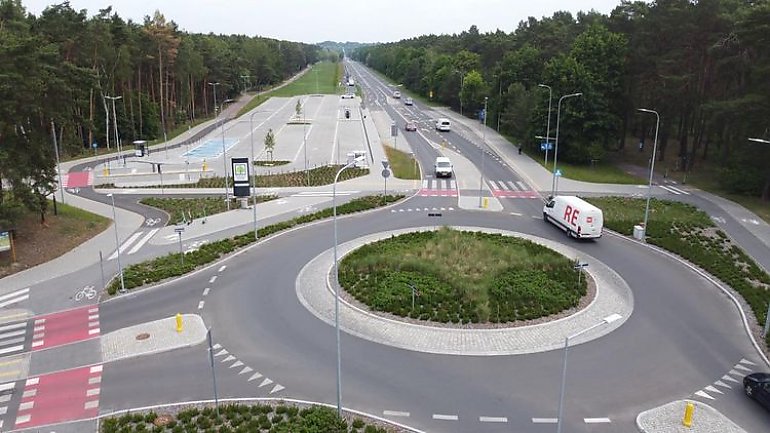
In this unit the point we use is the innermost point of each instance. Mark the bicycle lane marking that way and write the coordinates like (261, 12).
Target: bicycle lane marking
(65, 327)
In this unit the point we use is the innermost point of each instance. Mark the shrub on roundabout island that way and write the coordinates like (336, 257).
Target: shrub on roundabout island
(461, 277)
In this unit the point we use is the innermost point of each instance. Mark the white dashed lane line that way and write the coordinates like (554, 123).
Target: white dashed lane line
(544, 420)
(200, 304)
(206, 291)
(445, 417)
(498, 419)
(395, 413)
(222, 268)
(596, 420)
(212, 279)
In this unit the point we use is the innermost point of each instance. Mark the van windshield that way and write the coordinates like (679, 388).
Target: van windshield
(444, 164)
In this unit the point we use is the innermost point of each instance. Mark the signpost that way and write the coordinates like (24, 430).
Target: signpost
(385, 174)
(241, 177)
(579, 268)
(179, 231)
(394, 134)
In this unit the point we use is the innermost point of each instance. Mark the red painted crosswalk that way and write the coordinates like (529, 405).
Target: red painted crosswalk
(514, 194)
(77, 179)
(65, 327)
(60, 397)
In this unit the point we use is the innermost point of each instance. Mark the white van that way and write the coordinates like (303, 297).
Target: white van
(442, 125)
(443, 167)
(577, 217)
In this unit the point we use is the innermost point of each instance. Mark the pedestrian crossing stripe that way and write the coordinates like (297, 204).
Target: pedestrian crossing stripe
(14, 297)
(133, 238)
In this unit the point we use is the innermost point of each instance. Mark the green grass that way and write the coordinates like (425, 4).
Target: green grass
(461, 277)
(687, 231)
(404, 166)
(183, 210)
(321, 78)
(599, 173)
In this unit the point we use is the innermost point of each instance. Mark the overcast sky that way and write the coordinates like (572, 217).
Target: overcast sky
(341, 20)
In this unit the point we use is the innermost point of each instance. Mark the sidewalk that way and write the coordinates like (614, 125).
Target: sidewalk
(668, 419)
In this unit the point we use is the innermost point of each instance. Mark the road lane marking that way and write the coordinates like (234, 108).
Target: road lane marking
(222, 268)
(212, 279)
(200, 304)
(445, 417)
(498, 419)
(596, 420)
(143, 241)
(395, 413)
(7, 386)
(124, 246)
(545, 420)
(206, 291)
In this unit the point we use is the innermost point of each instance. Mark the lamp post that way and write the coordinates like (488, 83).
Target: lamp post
(652, 165)
(606, 321)
(337, 286)
(117, 137)
(58, 166)
(548, 123)
(224, 150)
(556, 147)
(304, 143)
(462, 86)
(767, 317)
(117, 243)
(254, 177)
(481, 148)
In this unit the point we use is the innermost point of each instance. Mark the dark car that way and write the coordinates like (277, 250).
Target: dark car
(410, 126)
(757, 386)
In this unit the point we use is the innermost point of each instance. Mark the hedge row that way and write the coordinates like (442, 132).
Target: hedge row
(160, 268)
(239, 418)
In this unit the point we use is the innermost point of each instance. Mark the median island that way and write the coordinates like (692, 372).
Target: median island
(460, 277)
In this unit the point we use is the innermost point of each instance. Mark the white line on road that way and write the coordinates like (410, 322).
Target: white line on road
(206, 291)
(14, 326)
(544, 420)
(395, 413)
(499, 419)
(200, 304)
(222, 268)
(144, 240)
(596, 420)
(124, 246)
(212, 279)
(445, 417)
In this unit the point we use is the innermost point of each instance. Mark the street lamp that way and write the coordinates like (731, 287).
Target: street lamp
(548, 123)
(767, 316)
(254, 177)
(483, 143)
(652, 165)
(556, 147)
(606, 321)
(224, 150)
(117, 243)
(117, 138)
(462, 86)
(337, 285)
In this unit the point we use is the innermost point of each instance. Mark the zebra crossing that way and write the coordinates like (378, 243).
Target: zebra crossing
(438, 188)
(6, 392)
(732, 378)
(14, 297)
(511, 189)
(13, 336)
(135, 242)
(674, 190)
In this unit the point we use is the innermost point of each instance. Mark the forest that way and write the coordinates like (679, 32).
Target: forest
(703, 65)
(62, 71)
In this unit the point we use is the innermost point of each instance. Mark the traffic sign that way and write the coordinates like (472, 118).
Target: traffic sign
(386, 173)
(94, 145)
(385, 163)
(558, 172)
(546, 146)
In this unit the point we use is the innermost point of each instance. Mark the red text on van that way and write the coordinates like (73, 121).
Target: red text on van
(571, 215)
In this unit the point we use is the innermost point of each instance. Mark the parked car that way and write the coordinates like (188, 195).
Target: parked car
(408, 101)
(410, 126)
(757, 386)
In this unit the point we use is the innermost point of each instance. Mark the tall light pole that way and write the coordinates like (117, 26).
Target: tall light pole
(556, 147)
(304, 143)
(117, 137)
(767, 316)
(58, 166)
(500, 101)
(606, 321)
(548, 123)
(117, 242)
(337, 285)
(652, 165)
(483, 143)
(224, 150)
(254, 177)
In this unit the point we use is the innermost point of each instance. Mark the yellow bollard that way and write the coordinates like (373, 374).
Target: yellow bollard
(205, 166)
(105, 171)
(486, 202)
(688, 413)
(178, 322)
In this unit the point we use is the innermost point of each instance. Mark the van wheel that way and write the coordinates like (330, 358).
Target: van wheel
(570, 234)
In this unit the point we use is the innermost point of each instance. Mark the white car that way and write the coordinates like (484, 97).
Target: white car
(348, 96)
(443, 125)
(397, 94)
(408, 101)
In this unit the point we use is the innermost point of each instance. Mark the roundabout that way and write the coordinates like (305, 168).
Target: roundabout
(315, 288)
